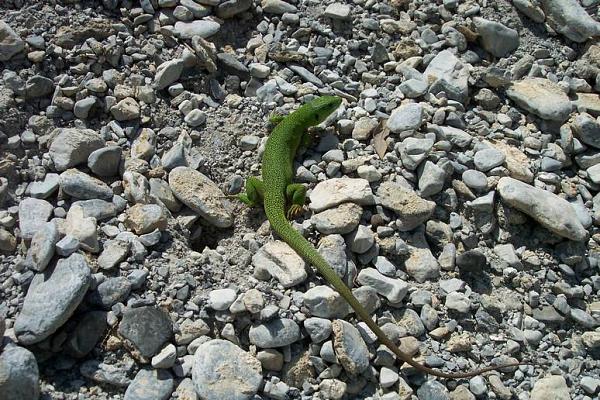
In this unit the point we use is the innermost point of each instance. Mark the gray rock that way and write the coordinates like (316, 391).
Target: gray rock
(11, 44)
(583, 318)
(589, 385)
(82, 107)
(324, 302)
(83, 186)
(458, 302)
(231, 8)
(593, 173)
(413, 151)
(475, 180)
(569, 18)
(44, 189)
(96, 208)
(319, 329)
(551, 211)
(406, 118)
(111, 291)
(89, 331)
(51, 299)
(221, 370)
(362, 239)
(33, 214)
(161, 191)
(155, 384)
(448, 74)
(38, 86)
(195, 118)
(221, 299)
(431, 180)
(42, 247)
(350, 348)
(411, 209)
(278, 7)
(67, 246)
(202, 28)
(197, 9)
(495, 37)
(72, 146)
(115, 375)
(393, 289)
(306, 75)
(541, 97)
(19, 376)
(166, 358)
(339, 11)
(456, 136)
(202, 195)
(147, 328)
(105, 161)
(433, 390)
(275, 333)
(487, 159)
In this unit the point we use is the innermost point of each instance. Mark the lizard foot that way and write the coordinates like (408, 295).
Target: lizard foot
(294, 211)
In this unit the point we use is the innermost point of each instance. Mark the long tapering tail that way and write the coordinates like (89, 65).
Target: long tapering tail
(307, 251)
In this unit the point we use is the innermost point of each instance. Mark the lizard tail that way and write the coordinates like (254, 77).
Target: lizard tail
(307, 251)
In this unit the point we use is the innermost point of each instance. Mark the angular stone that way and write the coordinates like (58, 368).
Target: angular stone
(146, 328)
(411, 209)
(33, 214)
(333, 192)
(19, 376)
(72, 146)
(277, 259)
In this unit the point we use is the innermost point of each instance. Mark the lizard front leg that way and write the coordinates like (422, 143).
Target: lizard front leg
(254, 194)
(295, 194)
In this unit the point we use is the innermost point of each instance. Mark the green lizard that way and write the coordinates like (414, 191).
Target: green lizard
(283, 199)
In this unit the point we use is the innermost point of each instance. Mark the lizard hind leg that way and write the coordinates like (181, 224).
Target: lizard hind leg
(295, 194)
(254, 192)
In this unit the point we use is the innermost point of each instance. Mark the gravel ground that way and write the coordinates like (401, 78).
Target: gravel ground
(456, 190)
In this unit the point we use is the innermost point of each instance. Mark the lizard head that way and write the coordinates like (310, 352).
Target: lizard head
(322, 107)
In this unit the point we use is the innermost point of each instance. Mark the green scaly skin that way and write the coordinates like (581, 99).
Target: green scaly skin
(283, 199)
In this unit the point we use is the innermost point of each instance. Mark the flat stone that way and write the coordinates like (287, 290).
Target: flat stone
(126, 110)
(166, 358)
(339, 220)
(516, 162)
(8, 243)
(155, 384)
(96, 208)
(531, 10)
(407, 117)
(19, 376)
(222, 370)
(333, 192)
(541, 97)
(277, 7)
(146, 328)
(338, 11)
(52, 298)
(221, 299)
(33, 214)
(109, 374)
(72, 146)
(551, 211)
(201, 28)
(46, 188)
(411, 209)
(431, 180)
(456, 136)
(487, 159)
(231, 8)
(278, 260)
(275, 333)
(80, 185)
(202, 195)
(413, 151)
(590, 102)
